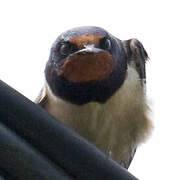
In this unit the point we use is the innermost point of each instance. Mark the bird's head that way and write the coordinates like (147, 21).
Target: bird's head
(89, 64)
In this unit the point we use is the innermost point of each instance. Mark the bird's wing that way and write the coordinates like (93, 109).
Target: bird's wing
(41, 98)
(129, 159)
(137, 55)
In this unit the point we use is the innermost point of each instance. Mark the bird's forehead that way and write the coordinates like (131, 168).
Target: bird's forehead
(86, 39)
(86, 30)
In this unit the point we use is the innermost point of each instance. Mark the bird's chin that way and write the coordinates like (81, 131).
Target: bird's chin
(86, 67)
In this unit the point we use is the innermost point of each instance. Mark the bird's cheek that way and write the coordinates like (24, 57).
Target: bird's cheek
(84, 68)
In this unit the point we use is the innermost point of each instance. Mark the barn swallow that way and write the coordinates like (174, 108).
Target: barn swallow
(94, 83)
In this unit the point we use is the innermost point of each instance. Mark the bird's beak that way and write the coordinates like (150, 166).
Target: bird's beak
(87, 64)
(88, 49)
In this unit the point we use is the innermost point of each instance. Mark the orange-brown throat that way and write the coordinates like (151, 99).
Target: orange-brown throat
(81, 68)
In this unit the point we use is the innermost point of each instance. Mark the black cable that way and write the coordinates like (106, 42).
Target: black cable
(4, 175)
(60, 144)
(23, 162)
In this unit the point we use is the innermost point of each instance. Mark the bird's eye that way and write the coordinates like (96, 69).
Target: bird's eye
(67, 48)
(105, 44)
(64, 49)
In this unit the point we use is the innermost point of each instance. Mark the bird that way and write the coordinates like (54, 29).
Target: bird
(95, 84)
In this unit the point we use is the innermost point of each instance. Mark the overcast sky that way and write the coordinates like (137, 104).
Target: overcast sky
(167, 30)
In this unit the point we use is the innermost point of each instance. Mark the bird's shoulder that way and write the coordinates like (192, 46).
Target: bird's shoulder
(41, 98)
